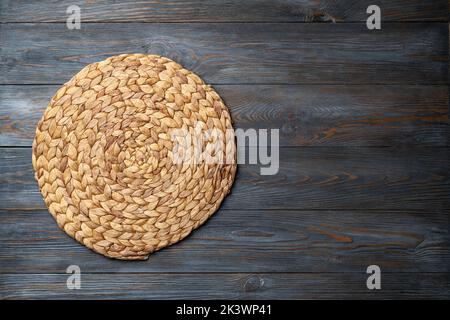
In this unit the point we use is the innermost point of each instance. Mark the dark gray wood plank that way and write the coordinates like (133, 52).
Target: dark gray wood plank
(226, 286)
(227, 11)
(283, 53)
(248, 241)
(309, 178)
(320, 115)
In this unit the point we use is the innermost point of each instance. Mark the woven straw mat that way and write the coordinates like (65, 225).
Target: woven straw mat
(103, 155)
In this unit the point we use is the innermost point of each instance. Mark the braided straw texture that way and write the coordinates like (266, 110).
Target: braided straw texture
(103, 155)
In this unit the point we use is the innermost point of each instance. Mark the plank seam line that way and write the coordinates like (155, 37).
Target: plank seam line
(293, 84)
(439, 21)
(402, 146)
(416, 211)
(362, 272)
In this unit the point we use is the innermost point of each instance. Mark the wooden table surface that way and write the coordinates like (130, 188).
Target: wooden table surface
(364, 159)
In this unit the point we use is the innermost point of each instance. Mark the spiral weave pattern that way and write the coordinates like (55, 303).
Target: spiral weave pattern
(103, 155)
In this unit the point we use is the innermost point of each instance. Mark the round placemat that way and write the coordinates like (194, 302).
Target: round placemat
(109, 162)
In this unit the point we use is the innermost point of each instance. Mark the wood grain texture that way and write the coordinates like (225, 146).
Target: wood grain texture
(409, 53)
(377, 190)
(248, 241)
(224, 11)
(226, 286)
(309, 178)
(322, 115)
